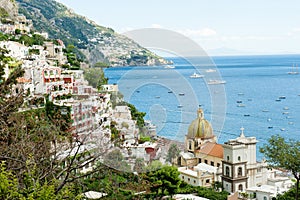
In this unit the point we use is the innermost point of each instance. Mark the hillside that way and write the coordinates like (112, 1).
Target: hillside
(98, 43)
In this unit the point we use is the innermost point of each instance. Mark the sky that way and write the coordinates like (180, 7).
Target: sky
(218, 26)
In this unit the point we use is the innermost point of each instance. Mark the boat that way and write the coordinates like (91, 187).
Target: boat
(290, 123)
(195, 75)
(179, 106)
(210, 70)
(265, 110)
(170, 92)
(216, 82)
(278, 100)
(181, 94)
(285, 113)
(246, 115)
(282, 129)
(239, 101)
(286, 108)
(294, 70)
(240, 105)
(240, 94)
(269, 127)
(282, 97)
(157, 97)
(169, 67)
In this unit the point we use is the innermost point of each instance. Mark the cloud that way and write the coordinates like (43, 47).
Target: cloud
(205, 32)
(294, 31)
(156, 26)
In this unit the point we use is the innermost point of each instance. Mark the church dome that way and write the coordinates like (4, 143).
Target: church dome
(200, 127)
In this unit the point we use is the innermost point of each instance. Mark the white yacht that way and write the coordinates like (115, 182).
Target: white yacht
(215, 82)
(195, 75)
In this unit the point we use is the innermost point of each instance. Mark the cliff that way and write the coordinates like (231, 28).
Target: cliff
(98, 43)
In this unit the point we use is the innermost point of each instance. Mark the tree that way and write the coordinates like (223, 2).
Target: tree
(284, 154)
(173, 152)
(164, 180)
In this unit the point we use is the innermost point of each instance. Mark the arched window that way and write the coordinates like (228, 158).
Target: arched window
(239, 158)
(240, 171)
(227, 171)
(227, 158)
(265, 198)
(240, 187)
(190, 145)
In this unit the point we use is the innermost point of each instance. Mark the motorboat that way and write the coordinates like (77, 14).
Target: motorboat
(195, 75)
(216, 82)
(169, 67)
(210, 70)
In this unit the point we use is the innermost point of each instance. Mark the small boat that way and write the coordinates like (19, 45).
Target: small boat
(282, 129)
(239, 101)
(195, 75)
(282, 97)
(170, 92)
(169, 67)
(285, 113)
(246, 115)
(265, 110)
(216, 82)
(240, 94)
(137, 91)
(157, 97)
(278, 100)
(179, 106)
(286, 108)
(294, 70)
(240, 105)
(290, 123)
(269, 127)
(181, 94)
(269, 119)
(210, 70)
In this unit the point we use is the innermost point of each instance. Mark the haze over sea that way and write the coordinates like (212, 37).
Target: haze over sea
(254, 86)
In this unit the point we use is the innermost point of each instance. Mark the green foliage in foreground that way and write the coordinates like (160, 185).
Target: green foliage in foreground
(10, 188)
(284, 154)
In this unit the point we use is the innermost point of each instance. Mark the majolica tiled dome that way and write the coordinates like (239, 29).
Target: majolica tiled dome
(200, 127)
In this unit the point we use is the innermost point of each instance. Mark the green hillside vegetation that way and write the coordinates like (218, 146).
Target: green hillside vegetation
(60, 22)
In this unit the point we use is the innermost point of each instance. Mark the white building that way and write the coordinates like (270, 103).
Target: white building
(240, 170)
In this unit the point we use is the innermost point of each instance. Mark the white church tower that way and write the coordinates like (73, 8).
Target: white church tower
(239, 165)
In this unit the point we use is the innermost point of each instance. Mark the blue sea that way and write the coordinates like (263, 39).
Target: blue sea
(259, 95)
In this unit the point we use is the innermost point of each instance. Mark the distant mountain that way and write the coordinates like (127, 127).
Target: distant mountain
(98, 43)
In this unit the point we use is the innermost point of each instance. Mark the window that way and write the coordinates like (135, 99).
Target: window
(240, 171)
(212, 163)
(195, 182)
(227, 158)
(190, 145)
(240, 187)
(218, 164)
(207, 181)
(265, 198)
(239, 158)
(182, 177)
(205, 161)
(189, 179)
(200, 160)
(227, 171)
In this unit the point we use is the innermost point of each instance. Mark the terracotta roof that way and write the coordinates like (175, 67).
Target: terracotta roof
(23, 80)
(212, 149)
